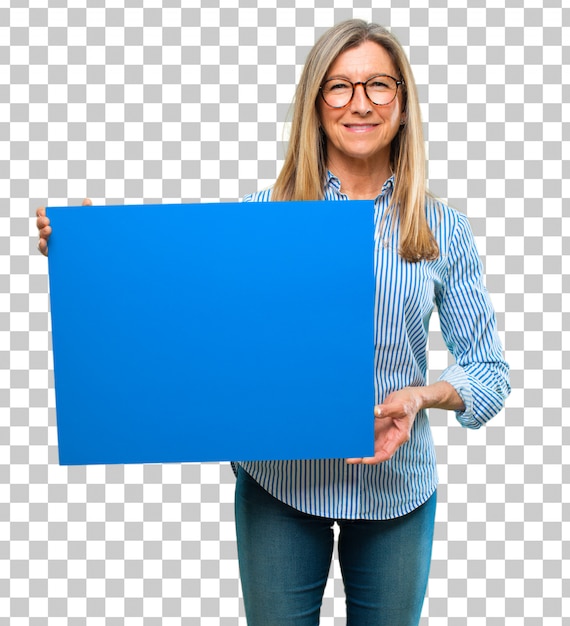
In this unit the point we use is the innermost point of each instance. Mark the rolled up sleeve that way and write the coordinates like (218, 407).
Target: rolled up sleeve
(469, 327)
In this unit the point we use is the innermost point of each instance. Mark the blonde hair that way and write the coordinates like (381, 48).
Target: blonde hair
(304, 171)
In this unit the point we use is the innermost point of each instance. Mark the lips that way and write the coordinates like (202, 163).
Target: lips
(360, 128)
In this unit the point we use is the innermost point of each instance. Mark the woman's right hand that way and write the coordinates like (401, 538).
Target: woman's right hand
(44, 229)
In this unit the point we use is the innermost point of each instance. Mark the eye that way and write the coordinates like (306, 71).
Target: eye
(382, 83)
(337, 86)
(378, 84)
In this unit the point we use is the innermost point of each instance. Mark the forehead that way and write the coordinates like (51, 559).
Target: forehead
(363, 61)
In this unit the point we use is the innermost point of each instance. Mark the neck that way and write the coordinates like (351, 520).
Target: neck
(362, 181)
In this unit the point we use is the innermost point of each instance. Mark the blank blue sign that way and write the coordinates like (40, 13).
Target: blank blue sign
(213, 332)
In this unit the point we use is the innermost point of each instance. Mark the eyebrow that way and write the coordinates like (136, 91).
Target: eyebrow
(343, 76)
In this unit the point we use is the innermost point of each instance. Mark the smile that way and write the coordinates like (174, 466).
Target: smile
(360, 128)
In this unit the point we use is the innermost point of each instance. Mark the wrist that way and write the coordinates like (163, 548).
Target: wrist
(440, 395)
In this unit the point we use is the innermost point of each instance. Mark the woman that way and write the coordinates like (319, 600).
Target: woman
(357, 134)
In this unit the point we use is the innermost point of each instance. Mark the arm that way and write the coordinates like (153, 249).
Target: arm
(477, 385)
(480, 375)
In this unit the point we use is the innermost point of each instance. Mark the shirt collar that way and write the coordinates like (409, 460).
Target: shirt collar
(334, 182)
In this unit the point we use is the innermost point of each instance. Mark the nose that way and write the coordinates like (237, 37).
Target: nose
(360, 103)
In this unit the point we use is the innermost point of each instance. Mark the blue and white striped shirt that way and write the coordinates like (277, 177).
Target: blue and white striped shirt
(406, 295)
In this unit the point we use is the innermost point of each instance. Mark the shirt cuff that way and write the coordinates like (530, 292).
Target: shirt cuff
(458, 379)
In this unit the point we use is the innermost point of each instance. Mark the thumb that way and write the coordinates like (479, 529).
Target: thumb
(87, 202)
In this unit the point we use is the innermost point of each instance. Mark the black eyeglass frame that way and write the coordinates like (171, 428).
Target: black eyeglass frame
(354, 85)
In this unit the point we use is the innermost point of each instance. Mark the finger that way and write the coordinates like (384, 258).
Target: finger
(376, 459)
(386, 453)
(379, 457)
(42, 247)
(42, 222)
(391, 411)
(87, 202)
(368, 460)
(45, 232)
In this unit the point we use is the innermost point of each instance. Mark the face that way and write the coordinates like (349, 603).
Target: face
(360, 134)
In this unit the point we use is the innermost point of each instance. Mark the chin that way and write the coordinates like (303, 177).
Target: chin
(363, 155)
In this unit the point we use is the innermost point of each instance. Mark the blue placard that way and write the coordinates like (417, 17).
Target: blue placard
(213, 332)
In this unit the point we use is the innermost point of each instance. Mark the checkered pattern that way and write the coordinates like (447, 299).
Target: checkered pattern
(125, 104)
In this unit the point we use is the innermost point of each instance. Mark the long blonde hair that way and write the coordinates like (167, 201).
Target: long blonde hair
(303, 175)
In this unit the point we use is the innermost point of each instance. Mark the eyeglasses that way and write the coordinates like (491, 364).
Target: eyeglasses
(380, 90)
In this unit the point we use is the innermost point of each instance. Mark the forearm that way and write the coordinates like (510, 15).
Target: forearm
(440, 395)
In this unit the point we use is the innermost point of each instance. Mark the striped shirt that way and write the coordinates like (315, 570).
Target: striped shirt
(406, 295)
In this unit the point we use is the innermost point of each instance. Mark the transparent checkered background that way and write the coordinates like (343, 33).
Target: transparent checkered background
(163, 103)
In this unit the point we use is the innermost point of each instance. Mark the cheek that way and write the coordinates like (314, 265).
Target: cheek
(392, 119)
(327, 120)
(395, 112)
(396, 116)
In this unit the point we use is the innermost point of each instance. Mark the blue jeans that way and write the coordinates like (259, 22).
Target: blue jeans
(285, 556)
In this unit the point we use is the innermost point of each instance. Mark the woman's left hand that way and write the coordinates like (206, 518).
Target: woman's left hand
(393, 420)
